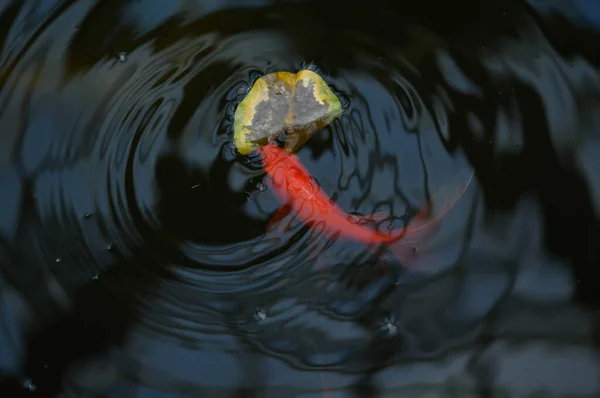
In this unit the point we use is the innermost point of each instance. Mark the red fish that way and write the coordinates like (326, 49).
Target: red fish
(301, 196)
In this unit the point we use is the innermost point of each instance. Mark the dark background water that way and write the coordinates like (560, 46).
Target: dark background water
(133, 261)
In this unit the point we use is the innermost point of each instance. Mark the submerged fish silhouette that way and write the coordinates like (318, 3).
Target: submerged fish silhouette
(301, 196)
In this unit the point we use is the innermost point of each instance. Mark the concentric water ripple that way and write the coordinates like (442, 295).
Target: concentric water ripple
(142, 232)
(138, 159)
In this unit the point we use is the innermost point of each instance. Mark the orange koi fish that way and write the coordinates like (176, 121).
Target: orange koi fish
(300, 194)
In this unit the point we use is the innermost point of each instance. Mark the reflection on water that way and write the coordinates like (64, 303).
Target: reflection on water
(133, 256)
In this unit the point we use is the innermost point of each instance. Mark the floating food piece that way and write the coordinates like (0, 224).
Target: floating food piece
(299, 104)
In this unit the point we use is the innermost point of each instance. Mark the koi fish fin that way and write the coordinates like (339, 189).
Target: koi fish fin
(415, 237)
(275, 223)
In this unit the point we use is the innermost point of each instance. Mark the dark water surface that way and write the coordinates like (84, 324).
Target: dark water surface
(133, 260)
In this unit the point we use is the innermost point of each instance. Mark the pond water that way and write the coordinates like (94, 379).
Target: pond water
(133, 255)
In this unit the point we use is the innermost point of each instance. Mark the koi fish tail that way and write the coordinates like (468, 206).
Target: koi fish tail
(412, 241)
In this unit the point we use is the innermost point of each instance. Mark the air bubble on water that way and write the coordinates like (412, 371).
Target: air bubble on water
(243, 89)
(58, 259)
(122, 57)
(260, 314)
(87, 216)
(109, 247)
(389, 327)
(28, 384)
(355, 218)
(261, 187)
(95, 277)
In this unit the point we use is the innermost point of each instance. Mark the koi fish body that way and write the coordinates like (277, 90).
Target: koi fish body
(301, 196)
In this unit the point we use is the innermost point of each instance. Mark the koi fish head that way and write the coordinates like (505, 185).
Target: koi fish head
(274, 158)
(287, 172)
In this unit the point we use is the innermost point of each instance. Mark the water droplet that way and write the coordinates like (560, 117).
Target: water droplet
(260, 314)
(261, 187)
(87, 216)
(389, 327)
(122, 57)
(58, 259)
(28, 384)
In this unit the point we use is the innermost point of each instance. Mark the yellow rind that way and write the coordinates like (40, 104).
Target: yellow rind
(244, 114)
